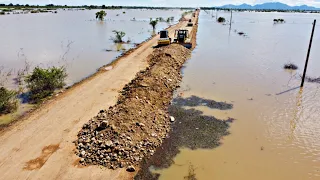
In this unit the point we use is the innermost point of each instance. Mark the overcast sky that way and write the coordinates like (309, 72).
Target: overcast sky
(176, 3)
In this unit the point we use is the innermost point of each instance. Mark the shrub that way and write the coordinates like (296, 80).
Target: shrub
(8, 101)
(100, 15)
(290, 66)
(2, 13)
(221, 19)
(118, 36)
(42, 82)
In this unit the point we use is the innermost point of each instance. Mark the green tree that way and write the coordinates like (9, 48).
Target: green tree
(8, 101)
(153, 23)
(100, 15)
(43, 82)
(118, 36)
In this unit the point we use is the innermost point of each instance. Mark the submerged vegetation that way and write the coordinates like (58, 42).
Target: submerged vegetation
(290, 66)
(279, 21)
(100, 15)
(8, 101)
(153, 23)
(118, 36)
(221, 20)
(43, 82)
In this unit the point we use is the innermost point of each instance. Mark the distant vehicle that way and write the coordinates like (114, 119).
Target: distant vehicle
(190, 23)
(164, 38)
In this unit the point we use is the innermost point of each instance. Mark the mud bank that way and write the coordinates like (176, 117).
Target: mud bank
(132, 129)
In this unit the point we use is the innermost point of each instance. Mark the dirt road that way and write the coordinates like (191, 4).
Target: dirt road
(40, 146)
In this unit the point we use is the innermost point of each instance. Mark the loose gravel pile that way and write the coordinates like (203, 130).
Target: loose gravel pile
(132, 129)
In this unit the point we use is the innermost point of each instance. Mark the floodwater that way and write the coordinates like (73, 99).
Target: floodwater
(275, 134)
(71, 38)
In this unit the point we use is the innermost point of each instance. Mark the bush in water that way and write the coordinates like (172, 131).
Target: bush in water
(42, 82)
(100, 15)
(118, 36)
(8, 101)
(221, 19)
(290, 66)
(153, 23)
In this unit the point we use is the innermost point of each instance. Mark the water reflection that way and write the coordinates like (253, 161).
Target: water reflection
(296, 114)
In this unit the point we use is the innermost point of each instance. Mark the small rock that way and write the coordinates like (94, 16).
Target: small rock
(83, 153)
(131, 169)
(82, 160)
(109, 143)
(262, 148)
(172, 119)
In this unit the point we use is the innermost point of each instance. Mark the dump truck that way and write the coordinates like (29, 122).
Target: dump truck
(164, 38)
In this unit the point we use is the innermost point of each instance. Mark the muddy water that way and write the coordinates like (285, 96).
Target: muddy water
(276, 131)
(71, 38)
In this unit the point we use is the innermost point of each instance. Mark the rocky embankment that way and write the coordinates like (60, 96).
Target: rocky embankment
(132, 129)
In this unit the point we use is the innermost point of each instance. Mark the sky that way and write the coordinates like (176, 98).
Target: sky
(168, 3)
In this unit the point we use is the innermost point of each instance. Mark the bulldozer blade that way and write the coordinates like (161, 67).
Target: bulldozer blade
(188, 45)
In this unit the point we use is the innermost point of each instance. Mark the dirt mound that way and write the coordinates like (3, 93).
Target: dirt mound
(132, 129)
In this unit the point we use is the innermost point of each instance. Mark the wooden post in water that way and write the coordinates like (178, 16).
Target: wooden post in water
(306, 64)
(231, 19)
(216, 14)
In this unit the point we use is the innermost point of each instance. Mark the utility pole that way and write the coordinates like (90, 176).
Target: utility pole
(306, 64)
(230, 19)
(217, 14)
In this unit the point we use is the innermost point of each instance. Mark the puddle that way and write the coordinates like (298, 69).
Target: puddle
(38, 162)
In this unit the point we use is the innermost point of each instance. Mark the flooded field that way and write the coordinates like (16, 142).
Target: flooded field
(275, 134)
(71, 38)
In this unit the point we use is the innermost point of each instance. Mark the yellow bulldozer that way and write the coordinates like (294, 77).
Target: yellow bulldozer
(181, 36)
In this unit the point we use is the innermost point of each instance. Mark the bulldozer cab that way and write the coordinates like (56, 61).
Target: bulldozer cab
(181, 35)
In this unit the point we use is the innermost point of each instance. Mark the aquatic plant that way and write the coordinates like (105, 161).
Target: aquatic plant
(278, 20)
(118, 36)
(41, 83)
(2, 13)
(153, 23)
(290, 66)
(100, 15)
(221, 19)
(8, 101)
